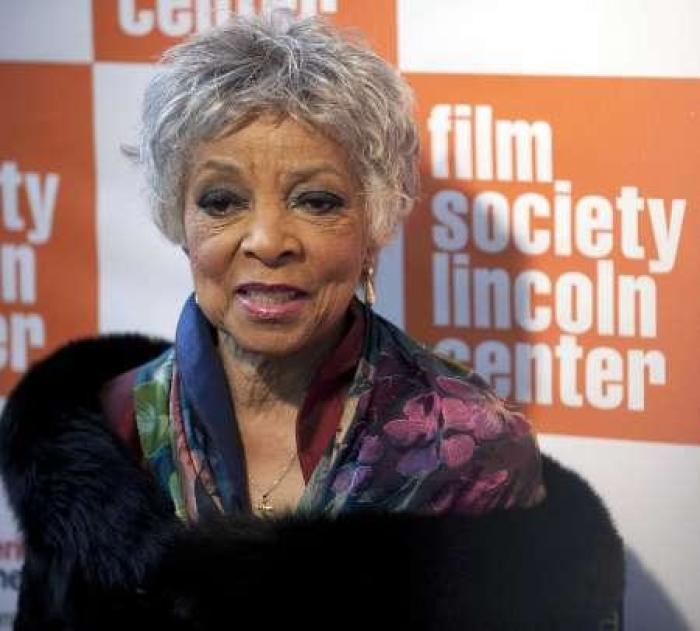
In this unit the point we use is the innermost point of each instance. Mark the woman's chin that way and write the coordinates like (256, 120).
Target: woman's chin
(270, 341)
(281, 332)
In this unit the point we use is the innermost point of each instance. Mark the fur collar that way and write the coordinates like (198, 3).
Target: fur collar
(103, 549)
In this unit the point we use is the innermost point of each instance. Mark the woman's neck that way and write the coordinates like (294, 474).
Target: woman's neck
(262, 384)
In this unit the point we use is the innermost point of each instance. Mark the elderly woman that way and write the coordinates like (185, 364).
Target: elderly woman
(281, 158)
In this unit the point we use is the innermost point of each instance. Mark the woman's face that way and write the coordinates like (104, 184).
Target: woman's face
(276, 236)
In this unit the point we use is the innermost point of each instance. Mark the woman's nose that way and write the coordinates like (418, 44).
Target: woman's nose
(270, 236)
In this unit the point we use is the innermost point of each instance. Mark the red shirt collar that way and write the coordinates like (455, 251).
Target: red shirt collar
(321, 412)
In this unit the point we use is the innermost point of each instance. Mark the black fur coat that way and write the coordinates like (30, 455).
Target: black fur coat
(104, 551)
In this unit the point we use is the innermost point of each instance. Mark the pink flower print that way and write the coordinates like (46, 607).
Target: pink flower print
(418, 460)
(420, 422)
(371, 450)
(471, 410)
(519, 425)
(458, 415)
(484, 494)
(456, 450)
(489, 423)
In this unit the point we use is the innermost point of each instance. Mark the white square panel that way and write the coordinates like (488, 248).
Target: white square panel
(143, 278)
(41, 30)
(653, 38)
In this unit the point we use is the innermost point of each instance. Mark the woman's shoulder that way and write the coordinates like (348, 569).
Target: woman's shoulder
(69, 384)
(77, 371)
(56, 411)
(440, 425)
(410, 368)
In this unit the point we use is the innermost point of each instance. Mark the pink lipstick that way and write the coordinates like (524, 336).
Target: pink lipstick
(270, 302)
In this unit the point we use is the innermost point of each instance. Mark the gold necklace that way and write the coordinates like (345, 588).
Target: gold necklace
(264, 506)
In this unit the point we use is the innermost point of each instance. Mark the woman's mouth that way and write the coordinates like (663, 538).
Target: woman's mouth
(270, 302)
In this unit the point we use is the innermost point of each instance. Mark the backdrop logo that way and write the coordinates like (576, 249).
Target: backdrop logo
(547, 270)
(22, 330)
(139, 30)
(176, 19)
(47, 249)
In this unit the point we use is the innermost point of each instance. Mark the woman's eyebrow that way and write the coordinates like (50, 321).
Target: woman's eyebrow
(306, 173)
(218, 164)
(298, 175)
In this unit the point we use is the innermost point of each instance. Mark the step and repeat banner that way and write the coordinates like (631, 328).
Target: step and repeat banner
(554, 245)
(552, 248)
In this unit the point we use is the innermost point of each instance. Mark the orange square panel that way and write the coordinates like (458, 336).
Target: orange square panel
(554, 246)
(48, 277)
(140, 30)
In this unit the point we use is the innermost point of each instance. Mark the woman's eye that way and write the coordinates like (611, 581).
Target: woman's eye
(318, 202)
(220, 202)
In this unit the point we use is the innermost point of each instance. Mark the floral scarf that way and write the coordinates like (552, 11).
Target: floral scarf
(417, 433)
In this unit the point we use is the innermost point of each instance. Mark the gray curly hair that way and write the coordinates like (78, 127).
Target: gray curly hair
(297, 67)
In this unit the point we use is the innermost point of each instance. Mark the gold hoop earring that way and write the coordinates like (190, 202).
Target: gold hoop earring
(368, 287)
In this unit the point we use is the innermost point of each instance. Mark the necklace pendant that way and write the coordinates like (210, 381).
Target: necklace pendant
(264, 506)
